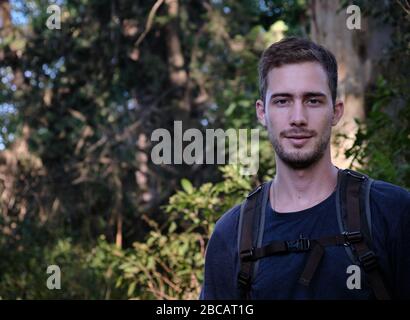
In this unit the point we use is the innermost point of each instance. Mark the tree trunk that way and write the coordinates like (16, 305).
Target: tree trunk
(5, 17)
(357, 52)
(178, 76)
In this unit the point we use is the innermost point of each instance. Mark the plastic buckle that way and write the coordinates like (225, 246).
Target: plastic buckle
(299, 245)
(244, 279)
(352, 237)
(246, 255)
(368, 261)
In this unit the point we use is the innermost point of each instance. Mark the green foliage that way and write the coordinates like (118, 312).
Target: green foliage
(86, 98)
(382, 142)
(89, 98)
(86, 273)
(169, 263)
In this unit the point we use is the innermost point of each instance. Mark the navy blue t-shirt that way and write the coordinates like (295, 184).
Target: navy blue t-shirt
(277, 276)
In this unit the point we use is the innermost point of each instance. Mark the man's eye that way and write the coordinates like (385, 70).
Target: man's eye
(313, 101)
(281, 101)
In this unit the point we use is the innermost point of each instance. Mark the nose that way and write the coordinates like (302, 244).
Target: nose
(297, 114)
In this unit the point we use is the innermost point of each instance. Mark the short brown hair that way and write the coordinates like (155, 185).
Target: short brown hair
(296, 50)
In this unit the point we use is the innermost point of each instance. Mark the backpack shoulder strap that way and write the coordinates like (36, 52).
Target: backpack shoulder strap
(250, 235)
(364, 203)
(367, 210)
(355, 218)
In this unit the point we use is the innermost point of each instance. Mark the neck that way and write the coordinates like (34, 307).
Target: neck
(299, 189)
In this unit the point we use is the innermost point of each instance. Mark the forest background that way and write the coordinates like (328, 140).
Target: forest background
(80, 100)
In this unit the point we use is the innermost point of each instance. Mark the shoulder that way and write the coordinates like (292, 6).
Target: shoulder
(224, 235)
(391, 203)
(390, 209)
(388, 194)
(221, 258)
(222, 242)
(228, 222)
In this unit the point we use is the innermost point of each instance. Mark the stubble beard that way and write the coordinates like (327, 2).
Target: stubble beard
(301, 159)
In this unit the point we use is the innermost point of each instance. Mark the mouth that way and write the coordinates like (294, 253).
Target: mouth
(298, 140)
(298, 137)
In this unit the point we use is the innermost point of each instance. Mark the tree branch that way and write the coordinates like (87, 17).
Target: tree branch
(150, 20)
(405, 6)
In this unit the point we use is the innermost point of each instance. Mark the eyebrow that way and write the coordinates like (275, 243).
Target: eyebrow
(304, 94)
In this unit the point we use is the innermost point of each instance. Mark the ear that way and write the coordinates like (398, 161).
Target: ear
(260, 112)
(337, 112)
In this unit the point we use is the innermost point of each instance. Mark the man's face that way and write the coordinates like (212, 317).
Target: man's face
(298, 113)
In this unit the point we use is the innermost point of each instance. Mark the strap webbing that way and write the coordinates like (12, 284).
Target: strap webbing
(299, 245)
(366, 257)
(312, 263)
(252, 207)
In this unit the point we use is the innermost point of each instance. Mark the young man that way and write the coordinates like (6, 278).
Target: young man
(298, 106)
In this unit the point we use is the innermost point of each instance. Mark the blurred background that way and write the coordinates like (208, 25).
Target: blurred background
(78, 105)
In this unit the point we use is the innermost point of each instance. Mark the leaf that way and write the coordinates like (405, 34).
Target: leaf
(131, 288)
(187, 186)
(172, 227)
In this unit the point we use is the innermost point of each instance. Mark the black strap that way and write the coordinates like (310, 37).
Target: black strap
(361, 250)
(315, 257)
(250, 215)
(275, 247)
(312, 263)
(299, 245)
